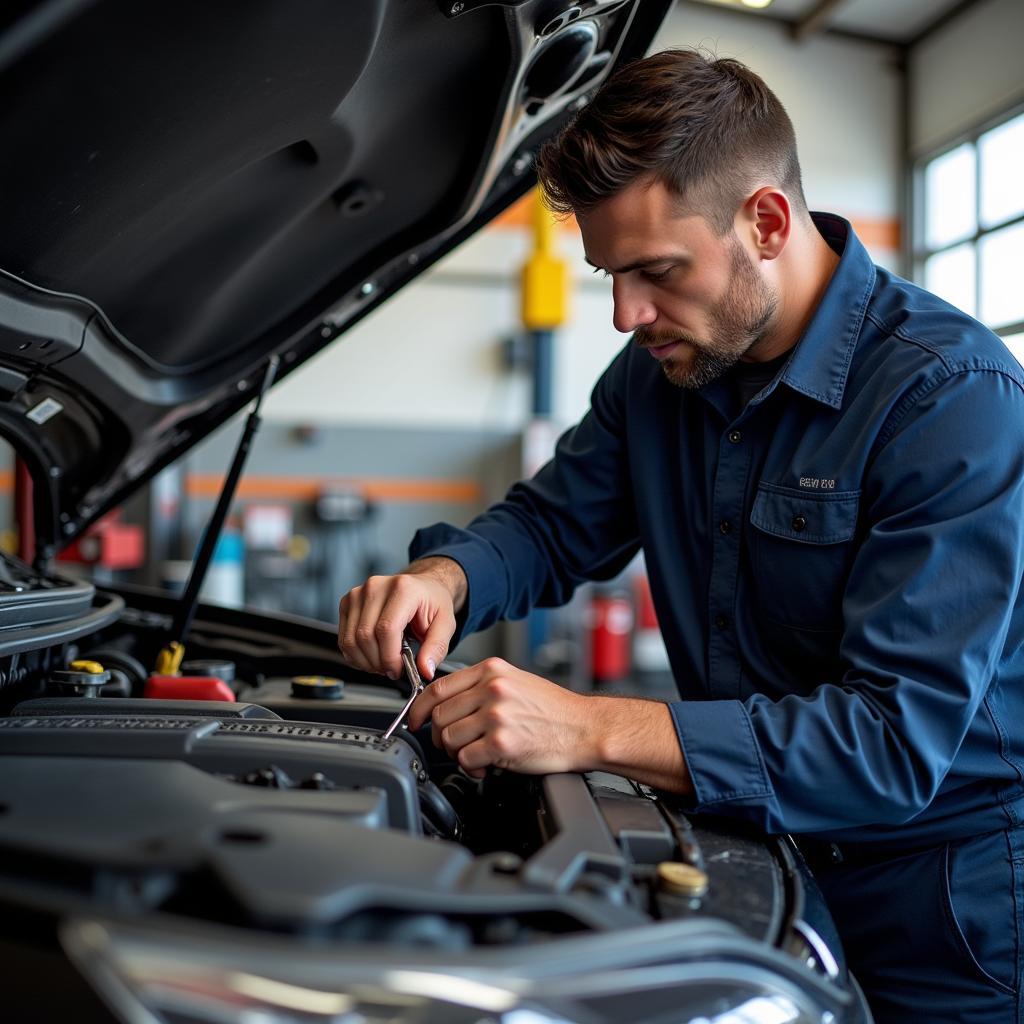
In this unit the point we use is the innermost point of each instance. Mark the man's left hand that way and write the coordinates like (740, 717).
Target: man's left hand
(495, 714)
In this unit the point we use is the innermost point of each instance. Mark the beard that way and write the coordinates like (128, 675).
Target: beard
(737, 322)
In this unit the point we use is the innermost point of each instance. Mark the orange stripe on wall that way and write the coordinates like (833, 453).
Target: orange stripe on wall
(520, 215)
(295, 488)
(878, 232)
(874, 232)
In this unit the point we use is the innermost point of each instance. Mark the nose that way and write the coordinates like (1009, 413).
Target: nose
(632, 309)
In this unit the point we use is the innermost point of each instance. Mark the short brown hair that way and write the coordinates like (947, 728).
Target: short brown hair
(707, 128)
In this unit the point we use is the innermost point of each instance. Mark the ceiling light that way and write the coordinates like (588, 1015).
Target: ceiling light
(756, 5)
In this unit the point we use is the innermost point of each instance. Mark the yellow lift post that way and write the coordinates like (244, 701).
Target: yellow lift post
(545, 307)
(545, 300)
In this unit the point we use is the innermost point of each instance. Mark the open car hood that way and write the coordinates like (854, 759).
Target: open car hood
(190, 190)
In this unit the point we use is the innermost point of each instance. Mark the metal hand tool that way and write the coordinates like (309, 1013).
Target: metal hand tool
(413, 675)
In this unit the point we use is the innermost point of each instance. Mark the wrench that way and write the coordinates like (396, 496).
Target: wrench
(413, 675)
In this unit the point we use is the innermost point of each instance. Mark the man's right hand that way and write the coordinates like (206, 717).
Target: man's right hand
(373, 617)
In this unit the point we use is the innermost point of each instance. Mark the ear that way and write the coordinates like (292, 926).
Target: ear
(766, 219)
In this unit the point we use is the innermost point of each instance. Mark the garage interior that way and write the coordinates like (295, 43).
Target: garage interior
(429, 408)
(909, 117)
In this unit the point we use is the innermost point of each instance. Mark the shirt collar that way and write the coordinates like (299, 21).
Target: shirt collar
(821, 359)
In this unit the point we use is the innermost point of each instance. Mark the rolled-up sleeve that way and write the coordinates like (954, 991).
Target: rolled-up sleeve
(933, 589)
(573, 521)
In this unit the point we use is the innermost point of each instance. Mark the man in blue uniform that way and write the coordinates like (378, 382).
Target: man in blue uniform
(824, 466)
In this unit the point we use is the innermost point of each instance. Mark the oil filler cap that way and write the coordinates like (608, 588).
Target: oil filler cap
(682, 879)
(81, 678)
(317, 687)
(92, 668)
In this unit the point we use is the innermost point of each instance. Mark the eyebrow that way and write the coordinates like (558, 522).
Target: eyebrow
(644, 261)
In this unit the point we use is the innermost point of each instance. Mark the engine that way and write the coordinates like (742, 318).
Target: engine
(161, 843)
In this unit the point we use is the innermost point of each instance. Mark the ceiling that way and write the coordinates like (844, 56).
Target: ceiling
(896, 21)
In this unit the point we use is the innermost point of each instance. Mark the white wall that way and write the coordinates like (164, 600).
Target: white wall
(968, 71)
(432, 354)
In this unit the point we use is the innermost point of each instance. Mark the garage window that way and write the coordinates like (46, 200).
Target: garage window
(970, 244)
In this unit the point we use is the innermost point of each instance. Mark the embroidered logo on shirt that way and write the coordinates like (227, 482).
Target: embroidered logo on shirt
(817, 483)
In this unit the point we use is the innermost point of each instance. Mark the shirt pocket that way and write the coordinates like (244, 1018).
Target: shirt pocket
(803, 545)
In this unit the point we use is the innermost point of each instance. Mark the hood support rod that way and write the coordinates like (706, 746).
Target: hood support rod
(190, 598)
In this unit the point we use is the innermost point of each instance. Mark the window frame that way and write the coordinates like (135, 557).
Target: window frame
(920, 251)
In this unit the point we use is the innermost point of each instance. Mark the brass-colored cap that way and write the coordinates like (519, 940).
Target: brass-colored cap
(317, 687)
(682, 879)
(93, 668)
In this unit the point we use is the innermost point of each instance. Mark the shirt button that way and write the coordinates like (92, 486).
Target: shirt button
(799, 523)
(735, 436)
(725, 526)
(721, 622)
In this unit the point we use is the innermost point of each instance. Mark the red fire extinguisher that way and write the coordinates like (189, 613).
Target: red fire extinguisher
(611, 624)
(649, 653)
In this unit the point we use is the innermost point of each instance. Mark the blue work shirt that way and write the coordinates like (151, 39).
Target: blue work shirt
(836, 567)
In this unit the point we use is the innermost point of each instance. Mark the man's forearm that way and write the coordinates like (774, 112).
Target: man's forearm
(636, 738)
(446, 571)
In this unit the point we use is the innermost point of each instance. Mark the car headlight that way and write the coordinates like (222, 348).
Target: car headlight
(159, 976)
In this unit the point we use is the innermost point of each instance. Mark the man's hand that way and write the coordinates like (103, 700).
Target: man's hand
(373, 617)
(492, 713)
(495, 714)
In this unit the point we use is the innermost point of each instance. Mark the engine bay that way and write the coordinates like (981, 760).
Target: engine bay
(286, 808)
(283, 814)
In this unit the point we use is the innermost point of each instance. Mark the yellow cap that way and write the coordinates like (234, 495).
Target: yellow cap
(94, 668)
(168, 661)
(317, 687)
(682, 879)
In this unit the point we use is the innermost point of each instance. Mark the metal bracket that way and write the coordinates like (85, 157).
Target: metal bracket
(453, 8)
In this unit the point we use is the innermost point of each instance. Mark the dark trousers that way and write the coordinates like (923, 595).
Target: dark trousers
(935, 935)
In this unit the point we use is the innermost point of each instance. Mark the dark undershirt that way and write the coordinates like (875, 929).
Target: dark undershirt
(748, 379)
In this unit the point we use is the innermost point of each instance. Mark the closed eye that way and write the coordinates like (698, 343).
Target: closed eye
(656, 275)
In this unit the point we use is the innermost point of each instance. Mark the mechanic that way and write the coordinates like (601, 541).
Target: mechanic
(824, 466)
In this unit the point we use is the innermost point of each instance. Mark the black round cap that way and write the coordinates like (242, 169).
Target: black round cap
(317, 687)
